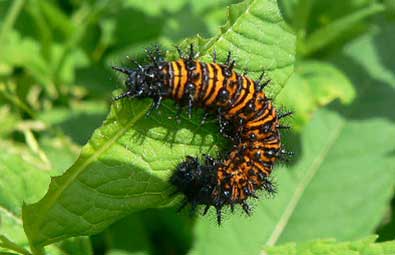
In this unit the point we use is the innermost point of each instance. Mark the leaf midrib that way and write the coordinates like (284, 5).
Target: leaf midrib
(86, 163)
(301, 187)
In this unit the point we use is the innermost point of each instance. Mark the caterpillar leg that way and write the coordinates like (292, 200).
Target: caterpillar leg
(283, 127)
(155, 105)
(204, 118)
(123, 95)
(223, 126)
(246, 207)
(189, 92)
(285, 155)
(122, 70)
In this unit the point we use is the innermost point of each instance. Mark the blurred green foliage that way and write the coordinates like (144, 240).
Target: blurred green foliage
(364, 247)
(56, 86)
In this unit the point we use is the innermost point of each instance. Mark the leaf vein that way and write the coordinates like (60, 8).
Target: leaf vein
(306, 179)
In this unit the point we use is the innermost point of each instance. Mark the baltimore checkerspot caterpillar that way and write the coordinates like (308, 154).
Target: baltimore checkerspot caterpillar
(246, 117)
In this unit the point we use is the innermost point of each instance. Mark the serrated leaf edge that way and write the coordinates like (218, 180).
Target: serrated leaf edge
(77, 171)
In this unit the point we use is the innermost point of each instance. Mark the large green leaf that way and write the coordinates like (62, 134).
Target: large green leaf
(123, 168)
(343, 178)
(126, 164)
(330, 247)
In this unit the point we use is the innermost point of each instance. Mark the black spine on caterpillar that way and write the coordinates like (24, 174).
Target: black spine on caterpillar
(245, 115)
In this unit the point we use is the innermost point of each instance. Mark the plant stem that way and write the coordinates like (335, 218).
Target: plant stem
(6, 243)
(9, 20)
(43, 29)
(86, 15)
(302, 14)
(14, 99)
(325, 35)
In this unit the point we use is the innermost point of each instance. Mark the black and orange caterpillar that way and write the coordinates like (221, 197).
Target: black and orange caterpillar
(246, 116)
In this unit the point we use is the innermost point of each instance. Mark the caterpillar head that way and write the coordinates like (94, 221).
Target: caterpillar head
(141, 82)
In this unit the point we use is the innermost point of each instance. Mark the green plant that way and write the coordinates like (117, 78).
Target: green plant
(331, 62)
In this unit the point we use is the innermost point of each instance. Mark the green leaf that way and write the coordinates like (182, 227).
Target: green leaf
(23, 181)
(386, 229)
(272, 49)
(18, 51)
(8, 245)
(127, 162)
(56, 18)
(313, 85)
(60, 151)
(164, 22)
(69, 119)
(374, 54)
(8, 22)
(16, 185)
(326, 82)
(365, 246)
(330, 32)
(318, 196)
(76, 246)
(72, 60)
(123, 168)
(390, 5)
(9, 119)
(154, 232)
(342, 181)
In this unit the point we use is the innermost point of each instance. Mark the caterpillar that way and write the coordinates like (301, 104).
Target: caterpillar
(246, 117)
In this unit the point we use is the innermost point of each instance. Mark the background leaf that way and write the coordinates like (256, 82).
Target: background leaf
(330, 191)
(319, 176)
(17, 186)
(22, 181)
(313, 85)
(364, 246)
